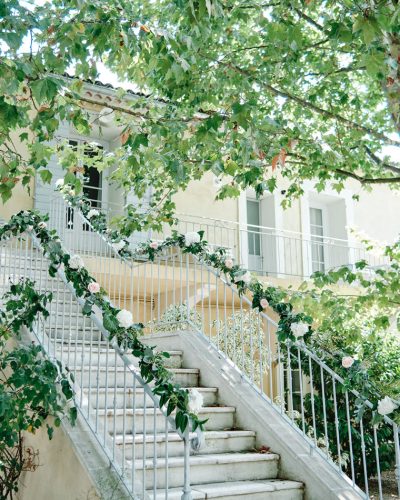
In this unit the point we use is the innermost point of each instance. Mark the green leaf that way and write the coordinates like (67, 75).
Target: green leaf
(45, 89)
(46, 176)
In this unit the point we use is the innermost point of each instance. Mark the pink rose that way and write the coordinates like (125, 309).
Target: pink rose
(94, 287)
(347, 361)
(229, 263)
(154, 245)
(264, 303)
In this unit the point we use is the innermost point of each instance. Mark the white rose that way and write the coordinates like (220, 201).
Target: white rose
(71, 192)
(94, 287)
(119, 245)
(195, 401)
(386, 406)
(228, 263)
(299, 329)
(347, 361)
(125, 318)
(246, 278)
(191, 238)
(75, 262)
(42, 225)
(59, 183)
(29, 228)
(92, 213)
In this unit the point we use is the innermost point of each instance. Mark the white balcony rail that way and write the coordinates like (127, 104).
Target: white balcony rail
(266, 251)
(177, 290)
(118, 406)
(276, 252)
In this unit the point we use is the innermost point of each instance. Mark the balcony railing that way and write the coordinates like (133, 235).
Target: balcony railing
(264, 250)
(276, 252)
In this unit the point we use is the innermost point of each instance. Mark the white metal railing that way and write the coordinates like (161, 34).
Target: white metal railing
(276, 252)
(119, 407)
(264, 250)
(177, 289)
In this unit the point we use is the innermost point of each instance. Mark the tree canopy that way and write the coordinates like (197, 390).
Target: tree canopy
(246, 89)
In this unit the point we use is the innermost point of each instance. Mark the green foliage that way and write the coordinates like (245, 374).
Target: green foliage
(174, 318)
(23, 305)
(32, 388)
(305, 90)
(151, 363)
(294, 308)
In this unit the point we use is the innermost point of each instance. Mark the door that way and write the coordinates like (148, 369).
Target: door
(254, 236)
(79, 235)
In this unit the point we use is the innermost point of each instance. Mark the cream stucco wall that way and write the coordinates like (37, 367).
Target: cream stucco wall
(21, 199)
(60, 474)
(199, 199)
(378, 213)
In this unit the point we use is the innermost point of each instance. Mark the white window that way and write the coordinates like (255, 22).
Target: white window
(92, 178)
(317, 239)
(253, 227)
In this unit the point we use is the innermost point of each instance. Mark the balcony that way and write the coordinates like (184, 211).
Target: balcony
(276, 252)
(264, 250)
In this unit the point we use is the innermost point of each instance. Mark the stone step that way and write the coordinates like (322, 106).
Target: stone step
(271, 489)
(66, 331)
(115, 376)
(206, 469)
(94, 356)
(125, 398)
(65, 305)
(214, 442)
(120, 420)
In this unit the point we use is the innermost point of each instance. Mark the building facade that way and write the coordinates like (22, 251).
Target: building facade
(314, 234)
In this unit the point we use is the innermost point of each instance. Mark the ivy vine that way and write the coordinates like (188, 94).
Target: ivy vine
(293, 326)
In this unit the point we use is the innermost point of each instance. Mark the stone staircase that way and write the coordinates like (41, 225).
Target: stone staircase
(228, 465)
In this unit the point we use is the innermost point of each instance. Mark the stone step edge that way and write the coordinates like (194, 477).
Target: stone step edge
(150, 411)
(234, 488)
(174, 436)
(211, 459)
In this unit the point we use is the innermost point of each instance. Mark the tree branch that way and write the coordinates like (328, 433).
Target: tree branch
(309, 19)
(367, 180)
(380, 162)
(313, 107)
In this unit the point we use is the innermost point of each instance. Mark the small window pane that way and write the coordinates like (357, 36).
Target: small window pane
(317, 240)
(253, 229)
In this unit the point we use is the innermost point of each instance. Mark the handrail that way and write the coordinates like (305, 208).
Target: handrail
(189, 439)
(245, 227)
(198, 283)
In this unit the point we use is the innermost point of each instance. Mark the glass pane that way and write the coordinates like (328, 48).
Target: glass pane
(253, 213)
(253, 229)
(317, 240)
(316, 216)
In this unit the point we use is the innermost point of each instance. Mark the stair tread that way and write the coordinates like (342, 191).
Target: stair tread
(121, 369)
(122, 390)
(130, 411)
(238, 488)
(100, 349)
(174, 436)
(211, 459)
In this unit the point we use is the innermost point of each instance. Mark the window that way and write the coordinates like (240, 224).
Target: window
(317, 240)
(253, 227)
(92, 184)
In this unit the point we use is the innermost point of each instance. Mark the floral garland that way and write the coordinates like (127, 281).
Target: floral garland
(119, 323)
(292, 326)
